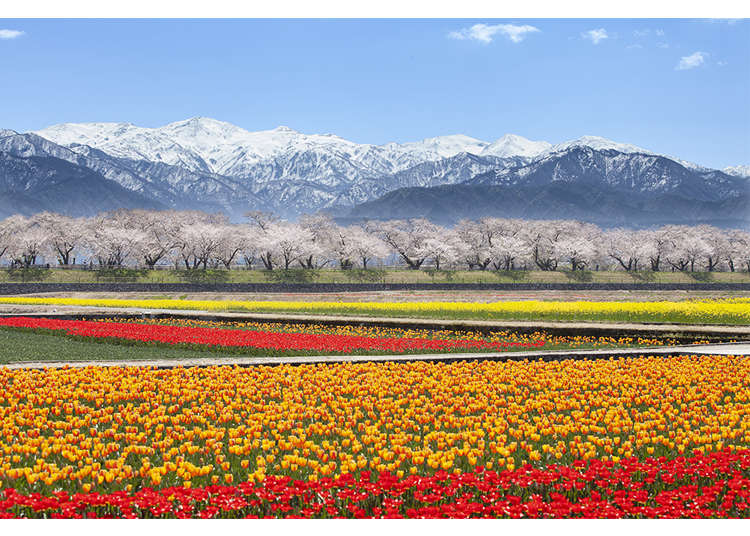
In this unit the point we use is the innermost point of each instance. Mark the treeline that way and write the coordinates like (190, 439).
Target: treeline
(193, 240)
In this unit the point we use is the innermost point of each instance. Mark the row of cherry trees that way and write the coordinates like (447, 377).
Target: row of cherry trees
(196, 240)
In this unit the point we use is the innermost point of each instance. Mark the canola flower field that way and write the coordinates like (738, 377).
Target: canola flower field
(728, 311)
(633, 437)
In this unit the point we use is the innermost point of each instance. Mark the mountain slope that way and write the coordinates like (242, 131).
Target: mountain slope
(627, 172)
(33, 184)
(165, 185)
(738, 171)
(451, 203)
(607, 187)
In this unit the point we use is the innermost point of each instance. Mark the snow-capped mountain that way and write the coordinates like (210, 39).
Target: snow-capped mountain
(204, 144)
(605, 186)
(441, 146)
(511, 145)
(288, 171)
(738, 171)
(598, 143)
(216, 166)
(633, 172)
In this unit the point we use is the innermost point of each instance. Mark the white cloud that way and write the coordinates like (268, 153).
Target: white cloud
(636, 45)
(662, 45)
(595, 36)
(485, 32)
(660, 32)
(722, 63)
(696, 59)
(10, 34)
(641, 33)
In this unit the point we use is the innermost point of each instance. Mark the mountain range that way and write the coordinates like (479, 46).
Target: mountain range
(603, 186)
(202, 163)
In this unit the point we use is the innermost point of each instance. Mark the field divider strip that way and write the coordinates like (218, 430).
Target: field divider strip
(734, 349)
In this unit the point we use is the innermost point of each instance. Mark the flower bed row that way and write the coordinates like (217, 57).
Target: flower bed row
(551, 341)
(205, 336)
(730, 311)
(701, 486)
(119, 429)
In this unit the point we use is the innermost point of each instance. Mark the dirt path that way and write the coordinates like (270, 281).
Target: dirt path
(742, 349)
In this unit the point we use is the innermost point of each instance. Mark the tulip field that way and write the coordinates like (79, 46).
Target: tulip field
(175, 337)
(618, 437)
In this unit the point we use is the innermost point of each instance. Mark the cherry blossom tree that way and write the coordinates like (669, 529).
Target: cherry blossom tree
(474, 244)
(285, 243)
(408, 238)
(508, 242)
(251, 243)
(714, 243)
(660, 242)
(738, 249)
(6, 235)
(442, 246)
(542, 239)
(685, 247)
(325, 234)
(198, 238)
(193, 239)
(506, 250)
(110, 241)
(232, 241)
(354, 245)
(157, 233)
(629, 248)
(29, 240)
(64, 234)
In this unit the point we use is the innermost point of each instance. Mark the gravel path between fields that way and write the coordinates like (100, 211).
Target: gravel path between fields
(735, 349)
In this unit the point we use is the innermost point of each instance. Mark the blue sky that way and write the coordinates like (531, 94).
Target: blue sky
(672, 86)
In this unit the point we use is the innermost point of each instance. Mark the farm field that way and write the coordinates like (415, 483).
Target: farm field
(475, 296)
(390, 275)
(732, 311)
(625, 437)
(49, 340)
(637, 436)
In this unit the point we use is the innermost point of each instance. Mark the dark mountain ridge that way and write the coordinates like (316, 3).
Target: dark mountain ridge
(606, 187)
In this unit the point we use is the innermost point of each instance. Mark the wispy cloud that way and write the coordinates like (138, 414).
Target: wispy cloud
(10, 34)
(595, 36)
(660, 32)
(731, 22)
(484, 33)
(696, 59)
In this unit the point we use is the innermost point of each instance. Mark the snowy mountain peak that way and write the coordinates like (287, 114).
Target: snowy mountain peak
(738, 171)
(513, 145)
(197, 127)
(447, 146)
(597, 143)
